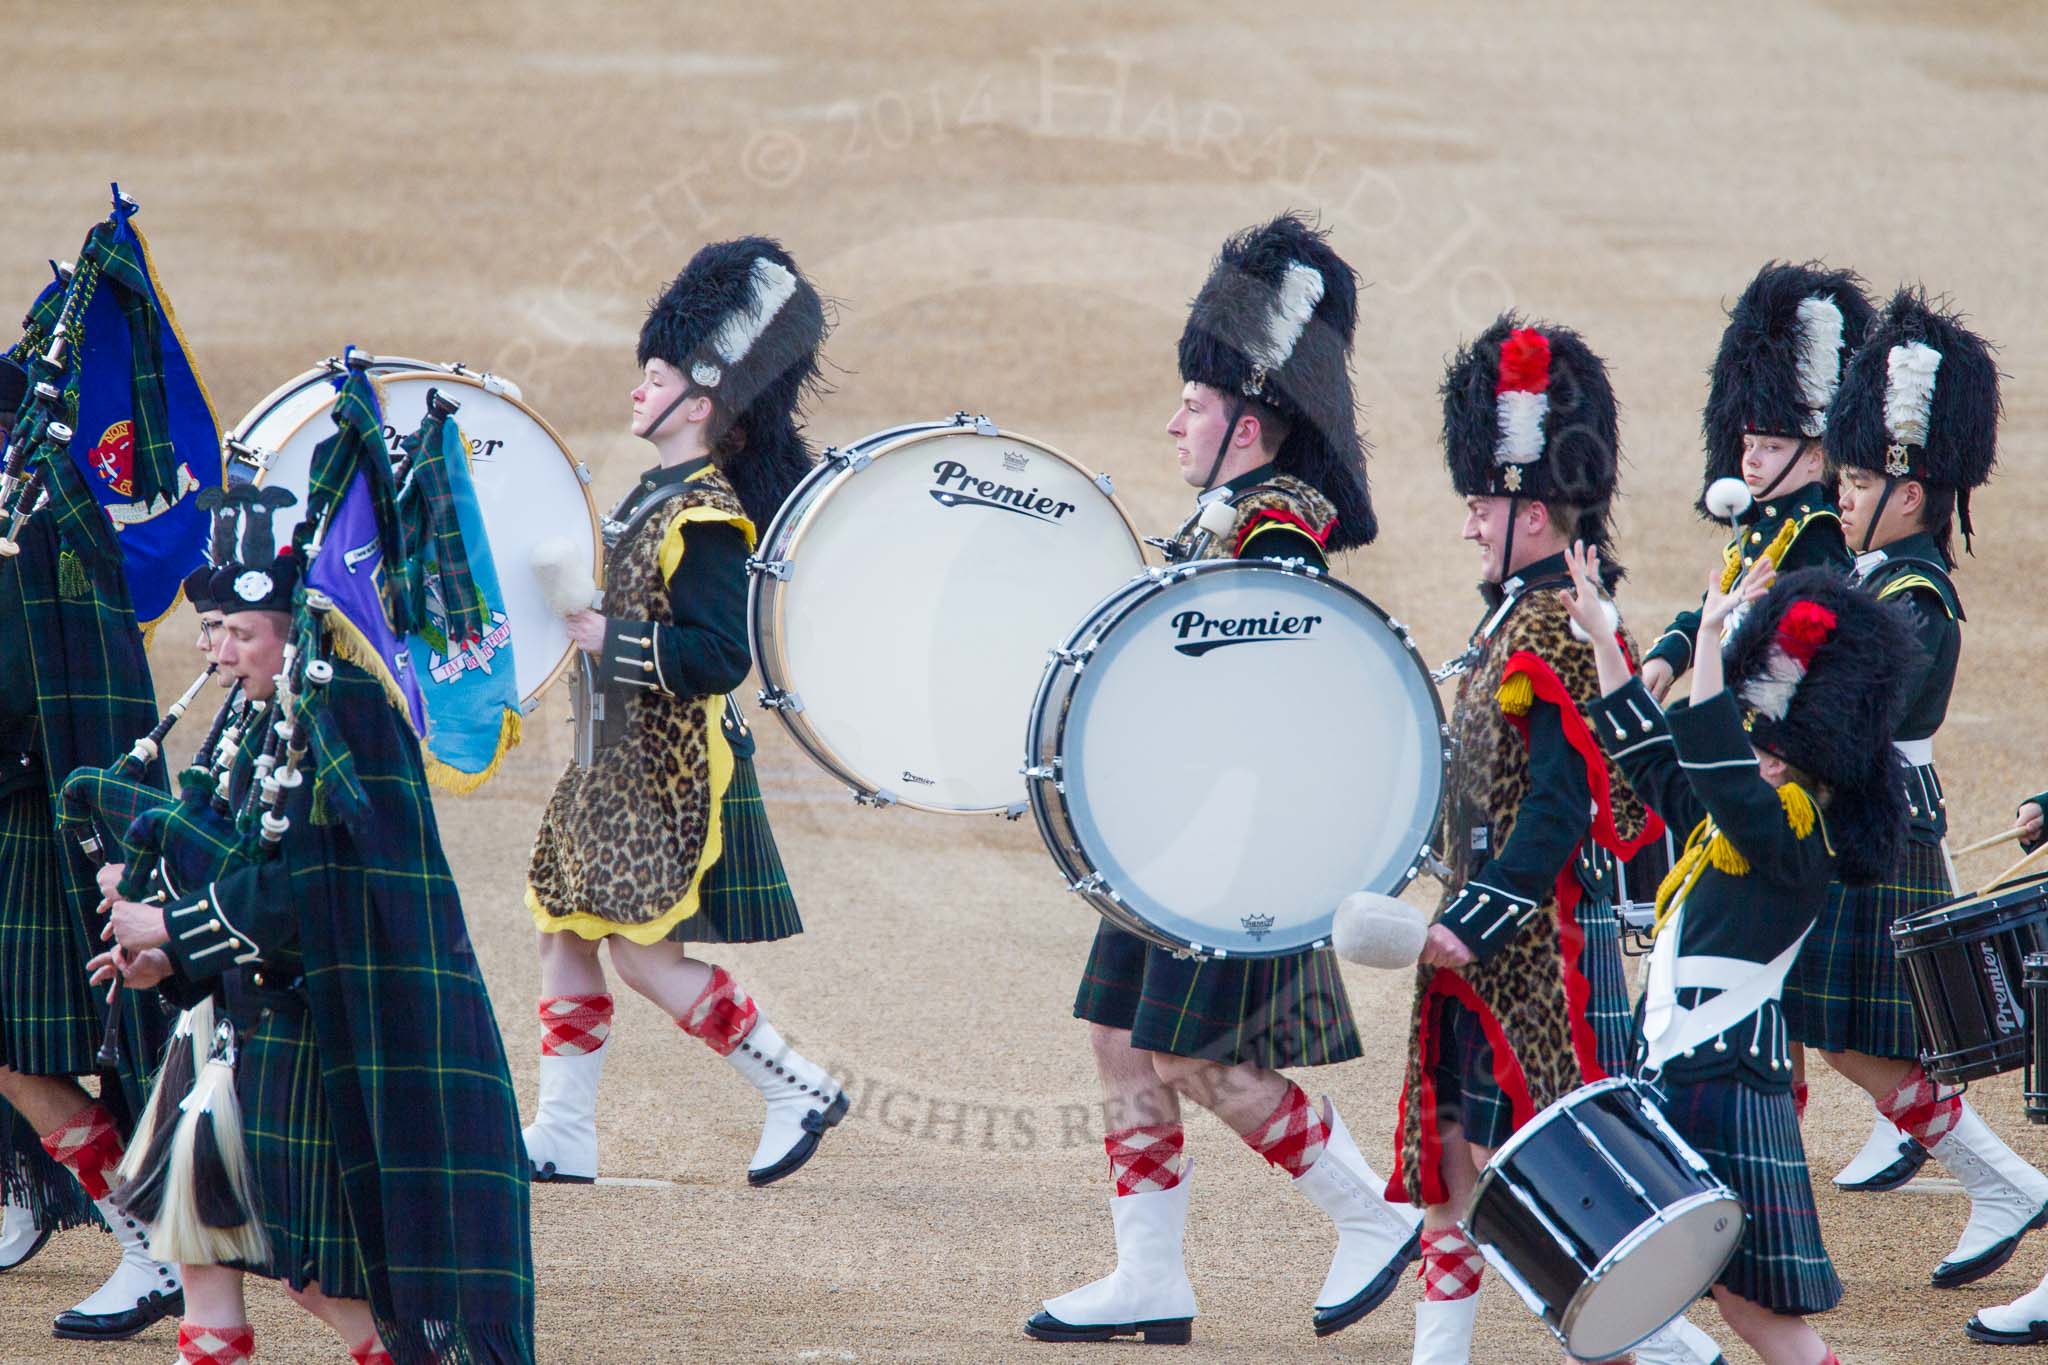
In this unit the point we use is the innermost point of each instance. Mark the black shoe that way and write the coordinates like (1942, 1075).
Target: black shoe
(72, 1326)
(815, 1124)
(1956, 1274)
(1044, 1326)
(1329, 1320)
(2035, 1333)
(1912, 1156)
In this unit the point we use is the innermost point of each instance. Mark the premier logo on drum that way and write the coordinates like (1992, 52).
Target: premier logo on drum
(1214, 632)
(959, 486)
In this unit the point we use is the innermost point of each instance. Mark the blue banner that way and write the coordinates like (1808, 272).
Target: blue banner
(162, 537)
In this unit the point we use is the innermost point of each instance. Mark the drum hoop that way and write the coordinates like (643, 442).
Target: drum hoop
(1567, 1321)
(1099, 621)
(1964, 931)
(451, 377)
(771, 632)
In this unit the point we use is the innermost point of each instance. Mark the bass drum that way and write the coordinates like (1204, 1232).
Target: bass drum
(1222, 752)
(529, 487)
(904, 597)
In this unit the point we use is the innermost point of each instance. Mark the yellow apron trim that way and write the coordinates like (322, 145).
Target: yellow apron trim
(589, 926)
(1905, 583)
(1516, 695)
(671, 552)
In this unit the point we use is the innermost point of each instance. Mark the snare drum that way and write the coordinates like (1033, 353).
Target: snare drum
(528, 486)
(2034, 973)
(1962, 963)
(1223, 751)
(1604, 1219)
(904, 596)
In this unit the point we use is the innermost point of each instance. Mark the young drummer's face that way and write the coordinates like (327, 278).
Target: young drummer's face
(1859, 491)
(660, 385)
(1763, 457)
(1486, 525)
(1197, 430)
(252, 651)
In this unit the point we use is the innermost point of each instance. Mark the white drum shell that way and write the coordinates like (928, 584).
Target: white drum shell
(1223, 800)
(530, 488)
(899, 636)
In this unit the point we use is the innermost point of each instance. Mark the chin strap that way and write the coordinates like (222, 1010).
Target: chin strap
(1870, 527)
(667, 412)
(1798, 453)
(1223, 446)
(1507, 549)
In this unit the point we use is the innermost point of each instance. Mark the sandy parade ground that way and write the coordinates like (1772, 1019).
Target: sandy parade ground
(1011, 206)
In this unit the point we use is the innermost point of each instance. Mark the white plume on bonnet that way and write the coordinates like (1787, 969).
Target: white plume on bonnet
(770, 285)
(1294, 303)
(562, 567)
(1820, 360)
(1909, 391)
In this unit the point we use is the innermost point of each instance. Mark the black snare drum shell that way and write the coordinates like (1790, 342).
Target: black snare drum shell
(1963, 967)
(2034, 972)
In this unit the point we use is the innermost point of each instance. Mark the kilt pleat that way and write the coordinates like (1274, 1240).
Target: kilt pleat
(292, 1156)
(1465, 1086)
(1845, 992)
(745, 897)
(1751, 1141)
(50, 1024)
(1607, 1006)
(1273, 1012)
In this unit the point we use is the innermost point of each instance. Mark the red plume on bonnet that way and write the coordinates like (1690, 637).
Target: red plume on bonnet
(1805, 628)
(1524, 362)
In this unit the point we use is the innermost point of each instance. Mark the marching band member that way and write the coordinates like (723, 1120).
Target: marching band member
(385, 1186)
(1267, 433)
(1912, 432)
(1780, 361)
(1520, 997)
(662, 841)
(1782, 770)
(61, 706)
(2029, 819)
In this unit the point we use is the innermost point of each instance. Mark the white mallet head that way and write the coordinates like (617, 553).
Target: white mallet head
(1219, 518)
(1378, 931)
(563, 570)
(1728, 498)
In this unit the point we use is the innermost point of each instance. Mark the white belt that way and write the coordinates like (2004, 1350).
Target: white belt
(1669, 1028)
(1918, 752)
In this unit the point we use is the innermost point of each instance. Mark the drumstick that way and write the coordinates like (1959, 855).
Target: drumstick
(2004, 836)
(2022, 865)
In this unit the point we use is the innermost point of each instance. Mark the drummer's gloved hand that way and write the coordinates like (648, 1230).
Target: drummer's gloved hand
(1486, 918)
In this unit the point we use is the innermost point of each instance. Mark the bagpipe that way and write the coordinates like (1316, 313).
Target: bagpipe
(185, 1175)
(40, 435)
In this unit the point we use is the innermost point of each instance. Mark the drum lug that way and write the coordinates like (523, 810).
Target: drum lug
(880, 799)
(240, 451)
(777, 569)
(775, 699)
(854, 460)
(982, 426)
(1038, 772)
(583, 474)
(1016, 809)
(1108, 487)
(1090, 885)
(1071, 658)
(492, 384)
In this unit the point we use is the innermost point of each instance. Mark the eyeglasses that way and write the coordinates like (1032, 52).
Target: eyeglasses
(206, 634)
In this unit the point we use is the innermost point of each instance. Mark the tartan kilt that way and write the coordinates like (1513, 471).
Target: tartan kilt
(1464, 1068)
(1845, 992)
(1272, 1012)
(1608, 1010)
(1750, 1139)
(745, 897)
(50, 1022)
(295, 1167)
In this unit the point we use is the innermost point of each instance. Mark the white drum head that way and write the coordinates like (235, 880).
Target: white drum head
(1654, 1277)
(922, 592)
(527, 487)
(1246, 747)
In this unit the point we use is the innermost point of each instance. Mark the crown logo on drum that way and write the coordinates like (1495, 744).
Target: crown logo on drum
(1015, 462)
(1258, 926)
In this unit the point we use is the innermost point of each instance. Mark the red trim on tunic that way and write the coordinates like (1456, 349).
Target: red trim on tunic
(1286, 518)
(1507, 1073)
(1544, 682)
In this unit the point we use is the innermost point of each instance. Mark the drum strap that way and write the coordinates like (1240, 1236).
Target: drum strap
(1669, 1028)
